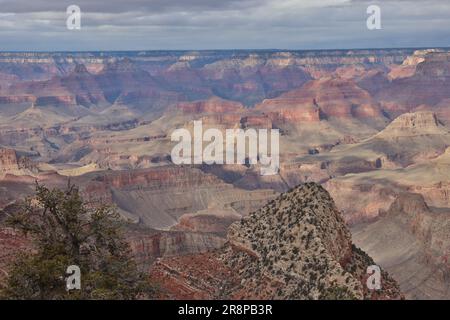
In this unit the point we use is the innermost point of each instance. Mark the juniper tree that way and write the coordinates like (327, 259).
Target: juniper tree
(65, 231)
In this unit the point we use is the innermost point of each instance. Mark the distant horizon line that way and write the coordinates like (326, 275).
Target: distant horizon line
(224, 50)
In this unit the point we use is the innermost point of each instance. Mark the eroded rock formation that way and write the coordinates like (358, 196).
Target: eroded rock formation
(295, 247)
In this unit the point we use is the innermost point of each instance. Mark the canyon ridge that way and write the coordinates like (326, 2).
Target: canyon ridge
(364, 175)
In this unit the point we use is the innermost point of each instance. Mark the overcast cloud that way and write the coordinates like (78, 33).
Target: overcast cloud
(226, 24)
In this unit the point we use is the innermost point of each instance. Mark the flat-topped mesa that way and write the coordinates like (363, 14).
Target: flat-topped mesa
(298, 247)
(411, 124)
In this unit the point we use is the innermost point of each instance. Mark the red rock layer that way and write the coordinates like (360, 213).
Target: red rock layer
(321, 99)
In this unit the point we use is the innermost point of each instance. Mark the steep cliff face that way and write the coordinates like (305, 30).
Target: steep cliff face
(162, 198)
(149, 245)
(430, 228)
(12, 163)
(324, 99)
(213, 105)
(295, 247)
(253, 77)
(427, 85)
(412, 241)
(8, 160)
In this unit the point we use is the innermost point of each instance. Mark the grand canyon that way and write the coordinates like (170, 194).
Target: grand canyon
(364, 175)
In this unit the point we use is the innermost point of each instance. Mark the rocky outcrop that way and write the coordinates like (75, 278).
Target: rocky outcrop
(323, 99)
(199, 277)
(12, 163)
(300, 241)
(414, 124)
(295, 247)
(148, 246)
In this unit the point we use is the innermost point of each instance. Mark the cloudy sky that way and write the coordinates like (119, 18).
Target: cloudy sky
(222, 24)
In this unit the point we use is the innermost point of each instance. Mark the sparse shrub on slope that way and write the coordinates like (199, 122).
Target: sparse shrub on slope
(298, 247)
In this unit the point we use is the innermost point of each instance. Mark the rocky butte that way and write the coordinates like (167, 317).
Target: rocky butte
(295, 247)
